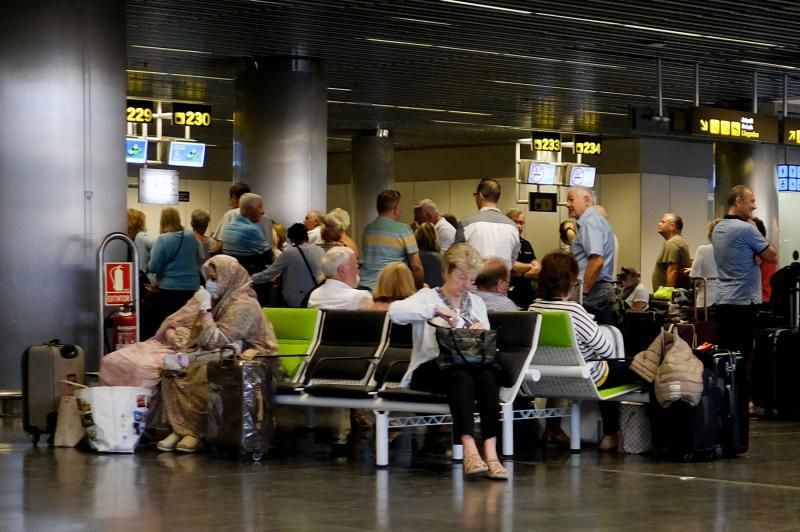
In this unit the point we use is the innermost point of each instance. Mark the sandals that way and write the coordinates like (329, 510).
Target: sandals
(474, 465)
(496, 470)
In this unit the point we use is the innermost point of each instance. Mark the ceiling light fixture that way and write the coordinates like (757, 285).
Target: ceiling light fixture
(423, 21)
(177, 75)
(771, 65)
(408, 108)
(659, 30)
(160, 48)
(455, 122)
(493, 53)
(589, 91)
(487, 6)
(341, 89)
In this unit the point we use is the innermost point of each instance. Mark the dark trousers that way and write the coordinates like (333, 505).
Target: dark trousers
(736, 327)
(619, 373)
(464, 386)
(600, 302)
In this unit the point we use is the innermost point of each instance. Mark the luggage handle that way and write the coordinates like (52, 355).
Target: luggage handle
(260, 413)
(223, 349)
(68, 351)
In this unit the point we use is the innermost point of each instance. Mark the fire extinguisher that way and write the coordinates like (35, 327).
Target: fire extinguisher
(124, 321)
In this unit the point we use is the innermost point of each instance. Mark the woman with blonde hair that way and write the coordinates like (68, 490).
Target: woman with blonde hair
(454, 305)
(175, 260)
(342, 217)
(395, 282)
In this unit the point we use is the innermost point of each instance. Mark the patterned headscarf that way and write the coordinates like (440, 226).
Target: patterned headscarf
(235, 309)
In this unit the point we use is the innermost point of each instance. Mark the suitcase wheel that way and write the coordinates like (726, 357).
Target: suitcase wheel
(35, 437)
(256, 457)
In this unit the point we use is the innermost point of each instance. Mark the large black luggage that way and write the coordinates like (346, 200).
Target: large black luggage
(776, 364)
(44, 366)
(639, 329)
(730, 375)
(690, 434)
(241, 407)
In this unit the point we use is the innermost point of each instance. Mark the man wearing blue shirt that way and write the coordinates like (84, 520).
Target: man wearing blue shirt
(593, 248)
(243, 237)
(738, 247)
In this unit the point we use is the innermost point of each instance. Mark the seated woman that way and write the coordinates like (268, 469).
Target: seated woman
(463, 385)
(395, 283)
(225, 312)
(596, 343)
(634, 295)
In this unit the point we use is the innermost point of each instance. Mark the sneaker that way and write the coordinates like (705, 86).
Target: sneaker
(168, 443)
(188, 444)
(609, 443)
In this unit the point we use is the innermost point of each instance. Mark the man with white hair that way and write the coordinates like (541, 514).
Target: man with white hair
(593, 248)
(243, 238)
(236, 191)
(339, 292)
(313, 223)
(429, 213)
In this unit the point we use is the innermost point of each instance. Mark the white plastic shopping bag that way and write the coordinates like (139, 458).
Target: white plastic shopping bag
(114, 416)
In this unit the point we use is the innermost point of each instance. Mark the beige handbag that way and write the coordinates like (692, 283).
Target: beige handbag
(69, 429)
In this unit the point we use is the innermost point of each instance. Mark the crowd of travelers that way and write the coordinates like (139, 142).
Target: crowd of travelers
(207, 291)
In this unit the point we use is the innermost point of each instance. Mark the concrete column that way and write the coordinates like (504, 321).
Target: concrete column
(280, 134)
(373, 172)
(740, 163)
(63, 182)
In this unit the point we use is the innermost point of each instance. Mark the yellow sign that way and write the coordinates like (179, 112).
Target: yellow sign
(735, 125)
(139, 111)
(545, 141)
(588, 148)
(191, 114)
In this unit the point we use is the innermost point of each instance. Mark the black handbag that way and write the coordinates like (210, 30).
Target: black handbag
(465, 347)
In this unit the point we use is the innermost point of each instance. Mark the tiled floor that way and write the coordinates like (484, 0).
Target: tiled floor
(302, 488)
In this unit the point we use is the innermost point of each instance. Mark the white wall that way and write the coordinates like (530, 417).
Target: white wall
(789, 220)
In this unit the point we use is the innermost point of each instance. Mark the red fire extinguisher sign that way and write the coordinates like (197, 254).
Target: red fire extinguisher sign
(118, 286)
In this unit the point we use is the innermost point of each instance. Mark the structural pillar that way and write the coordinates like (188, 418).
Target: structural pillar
(63, 179)
(373, 172)
(280, 134)
(751, 164)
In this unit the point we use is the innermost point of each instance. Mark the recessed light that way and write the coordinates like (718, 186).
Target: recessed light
(160, 48)
(660, 30)
(589, 91)
(493, 53)
(178, 75)
(487, 6)
(408, 108)
(341, 89)
(771, 65)
(423, 21)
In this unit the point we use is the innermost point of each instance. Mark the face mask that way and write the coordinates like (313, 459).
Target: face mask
(212, 287)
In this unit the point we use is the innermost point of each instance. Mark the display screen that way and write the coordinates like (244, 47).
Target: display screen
(542, 174)
(158, 186)
(136, 151)
(788, 177)
(186, 154)
(582, 176)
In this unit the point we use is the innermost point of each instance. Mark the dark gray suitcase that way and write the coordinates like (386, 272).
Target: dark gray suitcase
(44, 366)
(241, 416)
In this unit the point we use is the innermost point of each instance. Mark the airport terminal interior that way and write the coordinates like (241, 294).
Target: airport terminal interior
(655, 106)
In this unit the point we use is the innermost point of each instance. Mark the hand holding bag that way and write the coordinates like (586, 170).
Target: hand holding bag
(470, 347)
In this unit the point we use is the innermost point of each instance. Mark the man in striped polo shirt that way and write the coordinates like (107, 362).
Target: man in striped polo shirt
(386, 240)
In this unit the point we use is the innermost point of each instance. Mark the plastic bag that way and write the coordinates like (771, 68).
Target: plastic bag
(114, 416)
(69, 430)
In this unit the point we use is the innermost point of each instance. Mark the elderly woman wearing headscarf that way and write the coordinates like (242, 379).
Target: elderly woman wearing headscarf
(225, 312)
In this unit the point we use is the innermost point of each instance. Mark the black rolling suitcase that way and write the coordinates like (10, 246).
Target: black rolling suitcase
(776, 355)
(44, 366)
(730, 373)
(639, 329)
(690, 433)
(241, 417)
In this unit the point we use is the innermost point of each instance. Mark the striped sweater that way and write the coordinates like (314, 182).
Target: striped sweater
(591, 342)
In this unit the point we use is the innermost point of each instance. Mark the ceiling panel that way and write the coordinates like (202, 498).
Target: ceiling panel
(570, 66)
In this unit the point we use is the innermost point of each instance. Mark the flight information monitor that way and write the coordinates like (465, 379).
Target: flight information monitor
(186, 154)
(542, 174)
(158, 186)
(582, 176)
(788, 177)
(136, 151)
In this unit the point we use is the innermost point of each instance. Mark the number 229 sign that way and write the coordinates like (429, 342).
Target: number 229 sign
(118, 286)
